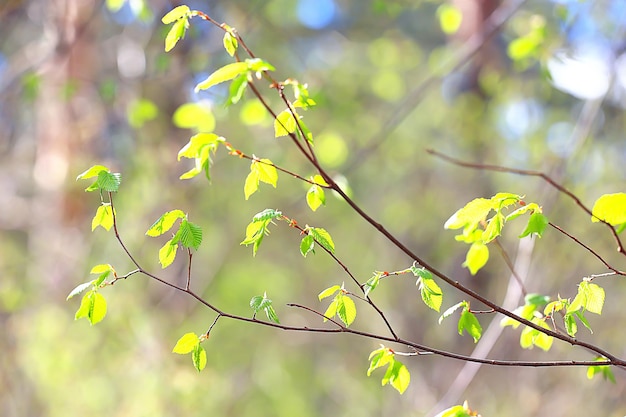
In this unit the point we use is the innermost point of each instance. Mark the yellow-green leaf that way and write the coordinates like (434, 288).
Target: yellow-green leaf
(346, 310)
(328, 292)
(471, 215)
(175, 14)
(400, 377)
(267, 171)
(477, 257)
(198, 356)
(230, 43)
(176, 32)
(167, 253)
(225, 73)
(165, 222)
(93, 306)
(611, 208)
(315, 197)
(284, 124)
(252, 184)
(92, 172)
(186, 343)
(103, 217)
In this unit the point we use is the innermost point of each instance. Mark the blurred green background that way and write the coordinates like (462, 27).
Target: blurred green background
(87, 82)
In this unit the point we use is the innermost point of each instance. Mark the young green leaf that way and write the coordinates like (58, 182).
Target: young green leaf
(190, 234)
(450, 311)
(315, 197)
(379, 358)
(284, 124)
(494, 228)
(193, 148)
(225, 73)
(186, 343)
(103, 217)
(398, 375)
(611, 208)
(322, 237)
(176, 14)
(430, 291)
(80, 288)
(198, 356)
(307, 244)
(328, 292)
(590, 297)
(346, 309)
(92, 172)
(167, 253)
(470, 215)
(260, 170)
(93, 306)
(332, 308)
(176, 32)
(537, 223)
(109, 181)
(603, 370)
(165, 222)
(477, 256)
(236, 89)
(267, 214)
(372, 283)
(470, 324)
(230, 43)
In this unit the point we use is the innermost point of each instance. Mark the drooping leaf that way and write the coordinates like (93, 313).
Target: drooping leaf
(165, 222)
(93, 306)
(251, 185)
(372, 283)
(307, 244)
(346, 310)
(103, 217)
(225, 73)
(186, 343)
(237, 89)
(284, 124)
(332, 308)
(230, 43)
(469, 323)
(315, 197)
(536, 225)
(198, 356)
(176, 32)
(398, 375)
(379, 358)
(167, 253)
(430, 292)
(477, 256)
(267, 171)
(494, 228)
(197, 142)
